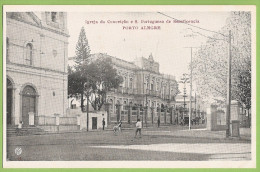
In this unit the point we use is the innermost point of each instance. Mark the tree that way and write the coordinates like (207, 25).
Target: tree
(210, 62)
(93, 81)
(80, 83)
(105, 78)
(79, 78)
(82, 48)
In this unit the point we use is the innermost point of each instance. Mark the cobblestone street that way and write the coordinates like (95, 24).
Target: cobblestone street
(167, 143)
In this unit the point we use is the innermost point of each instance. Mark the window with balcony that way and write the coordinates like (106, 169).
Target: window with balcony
(28, 54)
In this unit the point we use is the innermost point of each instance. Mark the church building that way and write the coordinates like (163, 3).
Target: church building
(36, 67)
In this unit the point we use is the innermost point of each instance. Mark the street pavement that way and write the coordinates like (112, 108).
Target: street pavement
(173, 143)
(215, 151)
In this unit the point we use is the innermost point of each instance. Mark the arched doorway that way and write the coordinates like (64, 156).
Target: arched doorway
(28, 103)
(9, 101)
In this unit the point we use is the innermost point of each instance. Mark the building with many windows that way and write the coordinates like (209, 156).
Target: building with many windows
(36, 67)
(144, 90)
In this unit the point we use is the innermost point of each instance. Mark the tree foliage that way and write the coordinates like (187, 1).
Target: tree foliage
(210, 62)
(105, 78)
(78, 77)
(91, 79)
(82, 48)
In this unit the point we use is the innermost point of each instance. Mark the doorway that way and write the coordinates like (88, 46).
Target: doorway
(94, 123)
(9, 102)
(28, 103)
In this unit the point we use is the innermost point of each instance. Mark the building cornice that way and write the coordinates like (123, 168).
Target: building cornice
(38, 68)
(41, 27)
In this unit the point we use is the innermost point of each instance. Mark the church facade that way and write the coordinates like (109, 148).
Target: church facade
(36, 67)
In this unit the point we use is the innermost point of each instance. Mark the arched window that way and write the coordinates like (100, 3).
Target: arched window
(131, 83)
(29, 54)
(29, 91)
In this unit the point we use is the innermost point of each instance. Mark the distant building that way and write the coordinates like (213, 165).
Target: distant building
(143, 85)
(183, 106)
(36, 66)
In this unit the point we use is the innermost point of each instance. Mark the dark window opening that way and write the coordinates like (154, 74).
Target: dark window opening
(54, 16)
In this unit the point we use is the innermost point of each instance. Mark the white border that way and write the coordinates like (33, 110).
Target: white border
(135, 164)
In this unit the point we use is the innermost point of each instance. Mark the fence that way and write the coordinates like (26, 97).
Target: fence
(68, 120)
(149, 116)
(52, 120)
(46, 120)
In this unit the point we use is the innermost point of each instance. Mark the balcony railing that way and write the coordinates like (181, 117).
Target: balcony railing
(124, 90)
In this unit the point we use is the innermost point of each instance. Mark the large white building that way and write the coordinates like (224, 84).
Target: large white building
(36, 66)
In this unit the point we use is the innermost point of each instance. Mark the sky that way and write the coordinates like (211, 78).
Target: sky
(167, 45)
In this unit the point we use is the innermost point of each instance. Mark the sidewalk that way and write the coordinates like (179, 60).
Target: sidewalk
(197, 133)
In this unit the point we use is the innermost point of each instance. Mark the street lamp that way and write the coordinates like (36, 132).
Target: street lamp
(184, 80)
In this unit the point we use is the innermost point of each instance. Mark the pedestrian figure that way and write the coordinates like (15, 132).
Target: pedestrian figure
(19, 128)
(120, 126)
(158, 122)
(103, 123)
(116, 129)
(138, 127)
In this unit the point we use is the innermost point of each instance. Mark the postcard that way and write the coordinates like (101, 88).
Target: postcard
(95, 86)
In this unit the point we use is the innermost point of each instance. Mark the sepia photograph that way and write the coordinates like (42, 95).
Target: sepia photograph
(129, 86)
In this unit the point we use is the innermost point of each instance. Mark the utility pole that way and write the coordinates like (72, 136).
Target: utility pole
(229, 69)
(229, 88)
(195, 106)
(87, 111)
(190, 109)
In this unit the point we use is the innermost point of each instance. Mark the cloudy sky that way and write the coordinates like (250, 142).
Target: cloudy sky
(167, 44)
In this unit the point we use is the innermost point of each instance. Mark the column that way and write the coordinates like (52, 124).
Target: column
(235, 110)
(171, 114)
(146, 115)
(159, 113)
(17, 107)
(57, 122)
(57, 117)
(107, 108)
(36, 119)
(138, 112)
(118, 106)
(14, 107)
(212, 117)
(165, 114)
(78, 122)
(129, 114)
(152, 112)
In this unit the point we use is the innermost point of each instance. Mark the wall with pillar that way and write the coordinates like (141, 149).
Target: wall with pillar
(51, 97)
(212, 119)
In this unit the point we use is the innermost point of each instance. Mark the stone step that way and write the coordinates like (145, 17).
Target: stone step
(11, 131)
